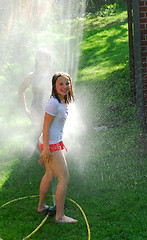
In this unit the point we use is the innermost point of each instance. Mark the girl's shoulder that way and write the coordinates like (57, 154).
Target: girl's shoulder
(52, 99)
(52, 106)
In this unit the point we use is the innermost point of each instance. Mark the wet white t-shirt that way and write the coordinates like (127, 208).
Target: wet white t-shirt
(60, 112)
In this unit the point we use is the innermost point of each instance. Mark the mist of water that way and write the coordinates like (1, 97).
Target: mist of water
(26, 26)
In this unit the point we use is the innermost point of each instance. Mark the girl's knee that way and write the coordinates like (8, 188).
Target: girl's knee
(67, 179)
(64, 178)
(48, 176)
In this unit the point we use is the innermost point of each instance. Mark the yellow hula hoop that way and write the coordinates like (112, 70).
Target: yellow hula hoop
(44, 220)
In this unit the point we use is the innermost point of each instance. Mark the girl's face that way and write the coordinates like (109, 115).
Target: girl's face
(62, 86)
(43, 62)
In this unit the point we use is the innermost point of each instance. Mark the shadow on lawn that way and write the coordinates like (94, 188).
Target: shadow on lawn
(112, 50)
(109, 100)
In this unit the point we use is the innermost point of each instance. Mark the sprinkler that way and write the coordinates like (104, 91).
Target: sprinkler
(52, 210)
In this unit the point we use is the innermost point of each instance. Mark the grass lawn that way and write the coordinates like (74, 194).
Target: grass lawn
(107, 167)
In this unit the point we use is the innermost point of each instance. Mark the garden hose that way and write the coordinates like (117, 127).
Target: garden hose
(44, 220)
(40, 225)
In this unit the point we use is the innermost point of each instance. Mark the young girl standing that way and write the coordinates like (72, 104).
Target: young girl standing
(38, 80)
(51, 144)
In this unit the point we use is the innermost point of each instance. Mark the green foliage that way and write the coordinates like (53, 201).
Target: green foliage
(95, 6)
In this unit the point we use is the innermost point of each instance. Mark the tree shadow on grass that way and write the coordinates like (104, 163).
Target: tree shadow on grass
(100, 47)
(107, 102)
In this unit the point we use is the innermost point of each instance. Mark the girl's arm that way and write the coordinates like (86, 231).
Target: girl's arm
(27, 81)
(47, 122)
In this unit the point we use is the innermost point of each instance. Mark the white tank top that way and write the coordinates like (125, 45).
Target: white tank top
(60, 112)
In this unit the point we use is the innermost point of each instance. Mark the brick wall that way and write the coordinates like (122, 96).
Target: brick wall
(143, 29)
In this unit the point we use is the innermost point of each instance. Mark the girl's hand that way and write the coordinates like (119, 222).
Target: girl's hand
(45, 155)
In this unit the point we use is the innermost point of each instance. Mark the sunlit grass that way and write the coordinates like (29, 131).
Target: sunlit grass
(98, 72)
(14, 140)
(104, 68)
(6, 168)
(97, 21)
(104, 49)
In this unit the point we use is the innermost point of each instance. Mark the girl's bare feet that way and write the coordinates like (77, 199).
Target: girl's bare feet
(66, 219)
(42, 208)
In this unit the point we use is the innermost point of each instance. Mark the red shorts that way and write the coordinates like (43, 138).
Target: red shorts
(54, 147)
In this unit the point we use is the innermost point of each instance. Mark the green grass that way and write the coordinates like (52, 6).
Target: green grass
(107, 168)
(104, 69)
(104, 47)
(107, 181)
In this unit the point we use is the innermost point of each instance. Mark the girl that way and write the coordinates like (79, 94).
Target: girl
(51, 144)
(38, 80)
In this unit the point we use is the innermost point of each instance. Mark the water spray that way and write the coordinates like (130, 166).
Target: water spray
(66, 18)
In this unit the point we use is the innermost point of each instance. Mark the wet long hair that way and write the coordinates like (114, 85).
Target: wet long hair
(70, 96)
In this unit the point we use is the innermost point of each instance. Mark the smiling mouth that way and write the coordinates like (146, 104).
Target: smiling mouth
(64, 91)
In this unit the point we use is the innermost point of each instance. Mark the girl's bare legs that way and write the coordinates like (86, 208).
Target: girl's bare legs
(44, 186)
(59, 168)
